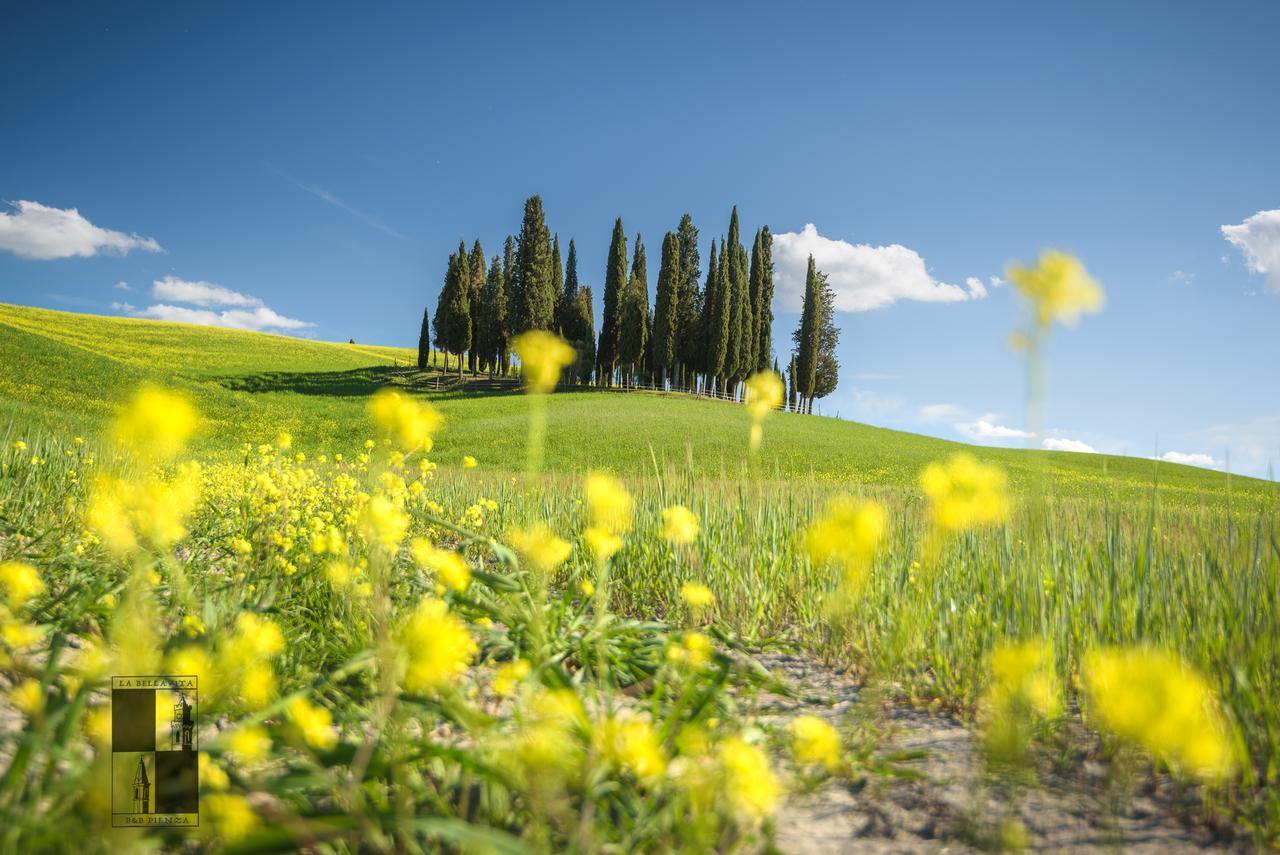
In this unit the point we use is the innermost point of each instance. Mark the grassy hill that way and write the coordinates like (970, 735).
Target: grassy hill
(69, 371)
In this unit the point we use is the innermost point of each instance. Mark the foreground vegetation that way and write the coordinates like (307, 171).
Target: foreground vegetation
(397, 651)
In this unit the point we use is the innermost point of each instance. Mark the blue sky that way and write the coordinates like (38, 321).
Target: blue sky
(322, 163)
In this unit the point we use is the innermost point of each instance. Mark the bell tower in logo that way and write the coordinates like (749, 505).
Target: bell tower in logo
(141, 789)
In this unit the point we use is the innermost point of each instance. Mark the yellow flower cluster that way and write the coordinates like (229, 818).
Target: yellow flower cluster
(1022, 677)
(765, 391)
(450, 567)
(815, 742)
(543, 355)
(435, 647)
(631, 743)
(680, 525)
(156, 424)
(847, 535)
(1059, 288)
(750, 784)
(1156, 700)
(964, 493)
(610, 507)
(129, 514)
(696, 595)
(539, 547)
(408, 422)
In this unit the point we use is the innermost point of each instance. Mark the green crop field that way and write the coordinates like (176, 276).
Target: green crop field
(399, 646)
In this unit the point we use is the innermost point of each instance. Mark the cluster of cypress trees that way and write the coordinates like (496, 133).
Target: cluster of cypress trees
(705, 337)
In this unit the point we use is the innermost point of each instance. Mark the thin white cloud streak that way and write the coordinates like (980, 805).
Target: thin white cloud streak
(204, 294)
(325, 196)
(1054, 443)
(1258, 237)
(985, 429)
(258, 319)
(863, 277)
(41, 233)
(1204, 461)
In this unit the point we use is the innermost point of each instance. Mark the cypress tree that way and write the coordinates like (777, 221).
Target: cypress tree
(509, 258)
(533, 270)
(827, 372)
(615, 283)
(493, 345)
(791, 383)
(806, 338)
(634, 324)
(689, 345)
(718, 316)
(557, 283)
(581, 331)
(729, 266)
(424, 340)
(764, 301)
(475, 292)
(455, 328)
(665, 320)
(442, 301)
(569, 294)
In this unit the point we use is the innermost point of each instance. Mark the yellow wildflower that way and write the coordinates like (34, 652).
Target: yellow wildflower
(542, 356)
(847, 535)
(230, 816)
(814, 741)
(609, 503)
(965, 493)
(314, 723)
(28, 697)
(435, 646)
(383, 523)
(587, 587)
(468, 462)
(1022, 675)
(508, 676)
(249, 744)
(156, 423)
(20, 582)
(694, 649)
(750, 785)
(1059, 288)
(1155, 699)
(679, 525)
(764, 395)
(448, 565)
(539, 546)
(212, 776)
(410, 422)
(284, 441)
(602, 542)
(696, 595)
(632, 744)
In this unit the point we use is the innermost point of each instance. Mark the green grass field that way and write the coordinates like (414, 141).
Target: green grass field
(70, 370)
(1095, 553)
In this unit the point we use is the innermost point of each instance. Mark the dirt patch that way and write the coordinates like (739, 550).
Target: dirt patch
(942, 804)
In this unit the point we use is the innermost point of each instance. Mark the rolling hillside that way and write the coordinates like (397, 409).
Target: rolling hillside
(69, 371)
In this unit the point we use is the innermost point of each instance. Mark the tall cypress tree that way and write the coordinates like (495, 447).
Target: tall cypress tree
(806, 338)
(615, 283)
(581, 332)
(665, 320)
(455, 328)
(717, 314)
(634, 324)
(791, 383)
(827, 372)
(569, 293)
(729, 266)
(689, 345)
(493, 325)
(533, 270)
(764, 300)
(509, 258)
(557, 283)
(475, 291)
(424, 340)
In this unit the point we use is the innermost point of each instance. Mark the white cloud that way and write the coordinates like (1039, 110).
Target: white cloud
(200, 293)
(260, 318)
(1054, 443)
(985, 429)
(127, 308)
(976, 289)
(1258, 238)
(863, 277)
(1182, 277)
(1202, 460)
(996, 281)
(122, 286)
(39, 232)
(938, 412)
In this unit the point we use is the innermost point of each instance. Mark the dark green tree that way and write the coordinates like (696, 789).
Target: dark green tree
(615, 284)
(665, 330)
(762, 258)
(569, 293)
(716, 298)
(581, 333)
(510, 255)
(806, 339)
(557, 283)
(689, 340)
(534, 280)
(827, 371)
(475, 293)
(493, 344)
(424, 340)
(455, 325)
(633, 330)
(791, 383)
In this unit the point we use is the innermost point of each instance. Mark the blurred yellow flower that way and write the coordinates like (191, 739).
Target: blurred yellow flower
(679, 525)
(508, 677)
(449, 566)
(20, 582)
(435, 646)
(1059, 288)
(1022, 675)
(249, 744)
(539, 546)
(28, 697)
(383, 523)
(814, 741)
(468, 462)
(694, 649)
(965, 493)
(231, 817)
(129, 514)
(587, 587)
(602, 543)
(847, 534)
(609, 503)
(542, 356)
(750, 785)
(314, 723)
(284, 441)
(764, 395)
(409, 422)
(631, 743)
(696, 595)
(1156, 700)
(156, 423)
